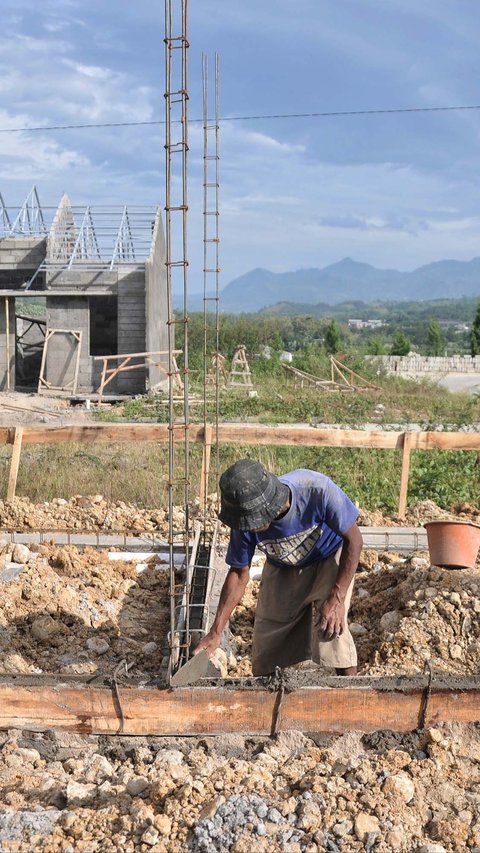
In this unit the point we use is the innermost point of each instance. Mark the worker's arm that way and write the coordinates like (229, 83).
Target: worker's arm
(231, 595)
(331, 618)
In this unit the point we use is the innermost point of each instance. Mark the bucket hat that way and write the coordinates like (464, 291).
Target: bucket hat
(251, 497)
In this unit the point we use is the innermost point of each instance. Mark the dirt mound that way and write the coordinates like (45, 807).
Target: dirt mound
(80, 613)
(404, 613)
(408, 613)
(94, 512)
(417, 515)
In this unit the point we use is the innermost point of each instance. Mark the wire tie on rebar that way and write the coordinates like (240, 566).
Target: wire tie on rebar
(114, 684)
(427, 690)
(277, 683)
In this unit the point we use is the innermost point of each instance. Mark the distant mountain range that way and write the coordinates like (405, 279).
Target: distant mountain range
(345, 281)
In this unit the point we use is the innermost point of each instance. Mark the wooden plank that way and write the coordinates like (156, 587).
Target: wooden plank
(107, 433)
(311, 437)
(14, 463)
(217, 710)
(402, 501)
(307, 436)
(246, 434)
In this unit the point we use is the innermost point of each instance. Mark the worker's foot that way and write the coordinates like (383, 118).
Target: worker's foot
(348, 670)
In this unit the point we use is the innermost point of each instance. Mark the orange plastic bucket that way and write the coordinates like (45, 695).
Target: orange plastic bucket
(453, 544)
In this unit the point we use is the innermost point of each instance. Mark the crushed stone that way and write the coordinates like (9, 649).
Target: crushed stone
(168, 795)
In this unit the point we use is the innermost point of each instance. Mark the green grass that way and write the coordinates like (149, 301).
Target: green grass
(137, 472)
(404, 401)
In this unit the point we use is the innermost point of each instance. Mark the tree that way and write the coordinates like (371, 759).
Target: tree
(375, 347)
(333, 337)
(400, 344)
(436, 341)
(475, 334)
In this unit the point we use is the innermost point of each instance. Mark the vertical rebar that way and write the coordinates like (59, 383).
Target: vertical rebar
(211, 241)
(7, 340)
(176, 211)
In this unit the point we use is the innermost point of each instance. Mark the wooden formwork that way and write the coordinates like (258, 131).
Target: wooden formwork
(250, 707)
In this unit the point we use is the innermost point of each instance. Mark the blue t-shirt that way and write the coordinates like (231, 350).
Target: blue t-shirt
(312, 529)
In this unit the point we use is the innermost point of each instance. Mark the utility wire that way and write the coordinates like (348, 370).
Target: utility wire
(332, 114)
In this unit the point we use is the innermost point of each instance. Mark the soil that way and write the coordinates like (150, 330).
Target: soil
(417, 515)
(79, 613)
(94, 513)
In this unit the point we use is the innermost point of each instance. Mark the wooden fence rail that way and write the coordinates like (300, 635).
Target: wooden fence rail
(242, 434)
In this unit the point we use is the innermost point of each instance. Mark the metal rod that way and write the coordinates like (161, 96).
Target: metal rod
(7, 340)
(210, 261)
(176, 215)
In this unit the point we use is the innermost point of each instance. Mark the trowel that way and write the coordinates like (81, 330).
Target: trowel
(191, 671)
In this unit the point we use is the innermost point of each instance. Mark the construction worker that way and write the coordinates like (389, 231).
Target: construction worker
(306, 526)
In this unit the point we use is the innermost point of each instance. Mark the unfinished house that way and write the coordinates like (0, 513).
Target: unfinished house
(77, 285)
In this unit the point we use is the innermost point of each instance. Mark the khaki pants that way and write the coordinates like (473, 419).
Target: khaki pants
(284, 632)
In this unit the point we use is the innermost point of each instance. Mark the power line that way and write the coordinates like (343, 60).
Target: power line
(332, 114)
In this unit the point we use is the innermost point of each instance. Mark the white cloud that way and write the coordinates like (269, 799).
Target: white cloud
(20, 155)
(50, 82)
(262, 140)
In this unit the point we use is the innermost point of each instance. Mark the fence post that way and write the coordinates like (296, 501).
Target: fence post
(14, 463)
(407, 446)
(207, 447)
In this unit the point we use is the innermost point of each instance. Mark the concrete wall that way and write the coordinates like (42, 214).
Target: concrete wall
(82, 281)
(22, 252)
(73, 312)
(20, 257)
(7, 360)
(131, 326)
(428, 364)
(68, 312)
(156, 304)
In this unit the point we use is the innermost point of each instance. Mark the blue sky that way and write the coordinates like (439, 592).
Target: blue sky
(396, 191)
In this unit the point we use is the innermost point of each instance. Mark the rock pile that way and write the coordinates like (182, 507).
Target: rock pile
(413, 794)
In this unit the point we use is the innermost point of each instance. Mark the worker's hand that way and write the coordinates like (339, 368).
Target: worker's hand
(331, 616)
(210, 643)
